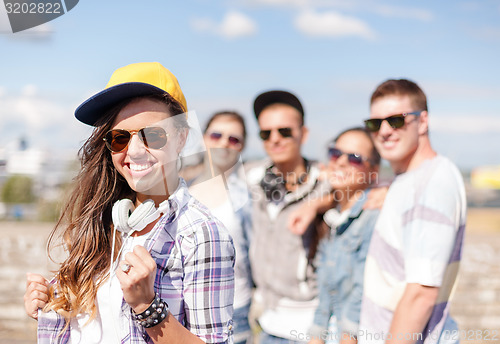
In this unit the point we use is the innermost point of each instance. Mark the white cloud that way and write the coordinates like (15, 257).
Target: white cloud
(373, 6)
(304, 3)
(332, 24)
(462, 124)
(404, 12)
(289, 3)
(46, 120)
(234, 25)
(29, 90)
(31, 110)
(455, 90)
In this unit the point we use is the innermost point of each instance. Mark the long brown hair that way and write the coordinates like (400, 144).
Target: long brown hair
(85, 225)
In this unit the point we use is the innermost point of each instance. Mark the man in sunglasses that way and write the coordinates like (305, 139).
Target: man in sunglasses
(281, 261)
(416, 246)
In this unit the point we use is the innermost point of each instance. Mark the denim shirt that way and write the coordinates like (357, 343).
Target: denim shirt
(341, 262)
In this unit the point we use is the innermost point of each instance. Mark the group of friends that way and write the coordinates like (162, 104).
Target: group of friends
(283, 250)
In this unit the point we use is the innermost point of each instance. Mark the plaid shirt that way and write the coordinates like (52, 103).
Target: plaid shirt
(194, 255)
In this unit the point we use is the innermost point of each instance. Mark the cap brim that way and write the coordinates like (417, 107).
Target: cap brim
(91, 110)
(274, 97)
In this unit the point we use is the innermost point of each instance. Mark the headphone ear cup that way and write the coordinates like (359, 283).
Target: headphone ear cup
(121, 213)
(141, 212)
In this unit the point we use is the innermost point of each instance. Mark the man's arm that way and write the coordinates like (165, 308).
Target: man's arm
(412, 313)
(300, 219)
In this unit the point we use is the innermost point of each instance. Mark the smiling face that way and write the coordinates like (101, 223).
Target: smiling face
(148, 171)
(346, 176)
(282, 150)
(398, 146)
(221, 139)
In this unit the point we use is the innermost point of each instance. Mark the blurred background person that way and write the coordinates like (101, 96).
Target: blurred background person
(416, 249)
(353, 167)
(282, 262)
(222, 188)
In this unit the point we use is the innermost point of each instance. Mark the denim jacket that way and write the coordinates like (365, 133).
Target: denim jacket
(341, 262)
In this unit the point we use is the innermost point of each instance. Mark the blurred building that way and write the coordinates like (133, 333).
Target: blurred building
(50, 171)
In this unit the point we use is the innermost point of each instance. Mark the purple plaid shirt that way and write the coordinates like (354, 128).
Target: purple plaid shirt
(195, 258)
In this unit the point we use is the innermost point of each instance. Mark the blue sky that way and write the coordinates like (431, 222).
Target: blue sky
(331, 53)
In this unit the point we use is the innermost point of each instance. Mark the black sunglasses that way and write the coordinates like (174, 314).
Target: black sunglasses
(395, 121)
(233, 140)
(284, 132)
(354, 159)
(152, 137)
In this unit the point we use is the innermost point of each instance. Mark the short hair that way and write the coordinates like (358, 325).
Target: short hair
(401, 87)
(232, 115)
(374, 155)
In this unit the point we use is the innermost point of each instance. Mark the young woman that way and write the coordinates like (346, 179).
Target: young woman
(167, 276)
(221, 187)
(352, 169)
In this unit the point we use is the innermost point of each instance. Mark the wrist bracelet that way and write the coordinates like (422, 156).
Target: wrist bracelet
(153, 315)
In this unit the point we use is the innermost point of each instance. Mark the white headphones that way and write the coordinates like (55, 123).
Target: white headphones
(128, 220)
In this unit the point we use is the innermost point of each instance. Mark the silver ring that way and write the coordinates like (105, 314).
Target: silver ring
(125, 267)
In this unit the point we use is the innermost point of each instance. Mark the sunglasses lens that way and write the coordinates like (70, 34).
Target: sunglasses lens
(117, 140)
(334, 153)
(215, 136)
(396, 122)
(234, 140)
(354, 159)
(285, 132)
(264, 134)
(153, 137)
(373, 124)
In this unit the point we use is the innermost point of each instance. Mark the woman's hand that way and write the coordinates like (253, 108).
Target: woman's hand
(36, 295)
(138, 282)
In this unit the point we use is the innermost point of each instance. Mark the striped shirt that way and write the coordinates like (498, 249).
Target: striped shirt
(417, 239)
(195, 276)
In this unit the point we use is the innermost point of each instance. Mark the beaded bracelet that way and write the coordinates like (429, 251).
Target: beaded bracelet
(153, 315)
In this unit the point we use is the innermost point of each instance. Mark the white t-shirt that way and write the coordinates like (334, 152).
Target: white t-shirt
(105, 328)
(242, 287)
(417, 239)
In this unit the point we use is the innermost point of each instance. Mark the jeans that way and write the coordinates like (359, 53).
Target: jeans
(241, 327)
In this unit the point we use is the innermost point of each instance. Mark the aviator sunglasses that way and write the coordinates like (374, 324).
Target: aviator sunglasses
(152, 137)
(284, 132)
(354, 159)
(395, 121)
(233, 140)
